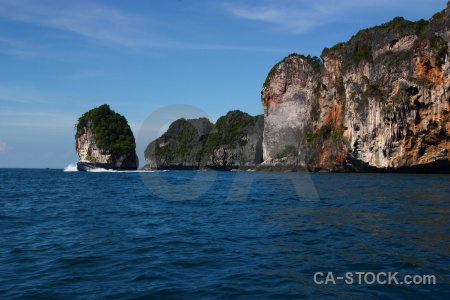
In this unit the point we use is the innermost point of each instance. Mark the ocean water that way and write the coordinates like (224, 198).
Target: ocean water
(232, 235)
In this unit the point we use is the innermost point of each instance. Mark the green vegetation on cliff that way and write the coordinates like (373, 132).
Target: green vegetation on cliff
(315, 62)
(111, 129)
(289, 150)
(177, 141)
(230, 131)
(321, 133)
(236, 138)
(180, 144)
(336, 48)
(361, 43)
(399, 23)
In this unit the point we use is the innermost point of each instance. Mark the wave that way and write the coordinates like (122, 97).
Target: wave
(100, 170)
(71, 168)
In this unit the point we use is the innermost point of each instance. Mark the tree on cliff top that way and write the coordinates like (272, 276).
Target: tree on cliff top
(111, 130)
(230, 130)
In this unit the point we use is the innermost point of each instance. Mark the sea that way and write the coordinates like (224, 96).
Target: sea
(223, 235)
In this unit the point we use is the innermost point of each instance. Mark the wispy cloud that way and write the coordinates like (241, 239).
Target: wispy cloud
(300, 16)
(107, 25)
(57, 121)
(93, 21)
(297, 17)
(19, 95)
(20, 47)
(26, 111)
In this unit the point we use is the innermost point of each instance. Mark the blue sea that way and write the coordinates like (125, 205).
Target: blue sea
(222, 235)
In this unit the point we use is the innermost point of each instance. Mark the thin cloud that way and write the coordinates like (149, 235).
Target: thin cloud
(299, 16)
(57, 124)
(23, 48)
(19, 95)
(295, 18)
(35, 97)
(36, 119)
(96, 22)
(101, 24)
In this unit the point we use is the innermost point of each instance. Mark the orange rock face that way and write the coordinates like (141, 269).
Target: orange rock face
(380, 101)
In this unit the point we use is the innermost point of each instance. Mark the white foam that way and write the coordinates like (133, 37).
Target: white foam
(99, 170)
(71, 168)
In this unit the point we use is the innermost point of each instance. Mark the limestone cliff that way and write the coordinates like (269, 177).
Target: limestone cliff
(234, 141)
(377, 102)
(104, 137)
(177, 148)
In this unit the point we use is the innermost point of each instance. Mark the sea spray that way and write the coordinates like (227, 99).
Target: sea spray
(71, 168)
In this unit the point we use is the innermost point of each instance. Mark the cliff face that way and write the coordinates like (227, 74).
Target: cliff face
(178, 147)
(104, 137)
(234, 141)
(378, 101)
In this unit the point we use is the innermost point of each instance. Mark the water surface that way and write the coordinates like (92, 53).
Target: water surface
(73, 235)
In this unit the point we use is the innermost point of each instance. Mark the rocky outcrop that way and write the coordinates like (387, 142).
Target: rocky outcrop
(104, 137)
(377, 102)
(234, 141)
(179, 146)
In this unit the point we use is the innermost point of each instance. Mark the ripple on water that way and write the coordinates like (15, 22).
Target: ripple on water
(105, 235)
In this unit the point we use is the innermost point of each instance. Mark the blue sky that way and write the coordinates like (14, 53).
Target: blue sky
(59, 59)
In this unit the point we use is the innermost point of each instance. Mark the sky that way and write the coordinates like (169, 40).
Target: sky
(59, 59)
